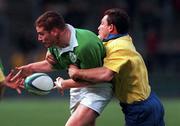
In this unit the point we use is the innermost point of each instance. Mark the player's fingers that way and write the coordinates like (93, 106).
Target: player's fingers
(70, 70)
(18, 90)
(18, 75)
(72, 66)
(51, 59)
(10, 75)
(21, 82)
(55, 87)
(18, 82)
(19, 68)
(21, 85)
(57, 84)
(59, 90)
(58, 79)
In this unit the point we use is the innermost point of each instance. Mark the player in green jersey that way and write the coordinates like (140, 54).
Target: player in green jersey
(67, 45)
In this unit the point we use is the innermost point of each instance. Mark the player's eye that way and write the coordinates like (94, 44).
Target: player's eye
(40, 33)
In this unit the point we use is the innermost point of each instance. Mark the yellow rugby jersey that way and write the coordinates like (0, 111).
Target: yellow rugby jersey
(1, 76)
(131, 78)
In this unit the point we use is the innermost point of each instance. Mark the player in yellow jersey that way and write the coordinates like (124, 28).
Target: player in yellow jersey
(126, 68)
(2, 78)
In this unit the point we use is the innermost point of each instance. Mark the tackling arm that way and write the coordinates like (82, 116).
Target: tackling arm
(62, 84)
(100, 74)
(69, 83)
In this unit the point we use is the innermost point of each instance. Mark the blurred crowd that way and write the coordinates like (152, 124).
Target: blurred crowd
(155, 28)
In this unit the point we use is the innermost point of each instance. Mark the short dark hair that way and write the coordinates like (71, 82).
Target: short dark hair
(119, 18)
(49, 20)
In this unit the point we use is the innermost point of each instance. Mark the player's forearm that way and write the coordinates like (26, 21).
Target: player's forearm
(95, 75)
(69, 83)
(42, 66)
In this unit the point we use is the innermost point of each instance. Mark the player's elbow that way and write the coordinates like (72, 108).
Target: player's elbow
(107, 75)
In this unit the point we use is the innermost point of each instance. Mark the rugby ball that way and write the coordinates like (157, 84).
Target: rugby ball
(39, 84)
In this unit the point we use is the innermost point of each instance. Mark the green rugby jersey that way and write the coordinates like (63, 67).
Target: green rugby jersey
(88, 54)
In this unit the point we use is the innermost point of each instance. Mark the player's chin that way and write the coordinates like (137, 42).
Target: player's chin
(46, 45)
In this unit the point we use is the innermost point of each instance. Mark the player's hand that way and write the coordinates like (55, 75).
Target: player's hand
(72, 71)
(59, 85)
(100, 37)
(16, 84)
(50, 58)
(23, 72)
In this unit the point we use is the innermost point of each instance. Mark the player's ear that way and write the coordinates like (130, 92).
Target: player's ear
(54, 31)
(111, 28)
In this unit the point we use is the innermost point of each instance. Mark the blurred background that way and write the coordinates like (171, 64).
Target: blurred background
(155, 28)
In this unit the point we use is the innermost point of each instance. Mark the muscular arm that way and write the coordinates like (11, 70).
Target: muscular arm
(42, 66)
(62, 84)
(91, 75)
(69, 83)
(100, 74)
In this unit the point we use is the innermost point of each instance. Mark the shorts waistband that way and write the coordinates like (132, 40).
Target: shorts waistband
(139, 102)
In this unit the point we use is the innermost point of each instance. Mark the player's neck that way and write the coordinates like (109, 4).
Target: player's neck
(64, 38)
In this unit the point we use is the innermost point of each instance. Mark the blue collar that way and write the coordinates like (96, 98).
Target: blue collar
(114, 36)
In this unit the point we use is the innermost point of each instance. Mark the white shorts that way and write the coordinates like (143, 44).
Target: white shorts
(94, 97)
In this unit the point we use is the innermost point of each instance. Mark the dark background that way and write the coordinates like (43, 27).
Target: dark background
(155, 29)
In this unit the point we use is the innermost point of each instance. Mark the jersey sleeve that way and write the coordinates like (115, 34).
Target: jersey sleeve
(1, 75)
(116, 60)
(1, 72)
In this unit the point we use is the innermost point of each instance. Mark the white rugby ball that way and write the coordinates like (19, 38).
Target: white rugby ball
(39, 84)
